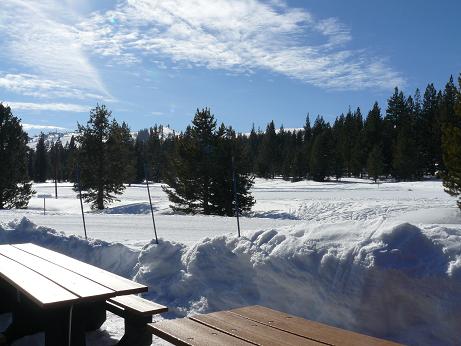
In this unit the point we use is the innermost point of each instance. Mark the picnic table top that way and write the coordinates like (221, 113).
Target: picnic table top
(52, 279)
(257, 325)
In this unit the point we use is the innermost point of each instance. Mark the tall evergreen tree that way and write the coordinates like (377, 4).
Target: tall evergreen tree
(56, 154)
(269, 154)
(375, 163)
(321, 154)
(41, 160)
(451, 142)
(120, 149)
(71, 156)
(229, 165)
(200, 180)
(373, 128)
(99, 159)
(429, 131)
(15, 188)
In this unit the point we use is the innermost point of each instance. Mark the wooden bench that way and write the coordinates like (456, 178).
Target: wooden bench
(256, 325)
(137, 313)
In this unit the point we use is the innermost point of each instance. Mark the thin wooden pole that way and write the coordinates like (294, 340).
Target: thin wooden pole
(234, 183)
(55, 172)
(150, 202)
(81, 202)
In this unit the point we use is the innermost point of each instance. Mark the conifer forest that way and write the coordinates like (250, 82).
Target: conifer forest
(412, 137)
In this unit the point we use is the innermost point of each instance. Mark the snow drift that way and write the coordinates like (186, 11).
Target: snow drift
(114, 257)
(399, 282)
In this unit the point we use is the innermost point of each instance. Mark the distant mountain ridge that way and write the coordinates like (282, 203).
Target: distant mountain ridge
(52, 136)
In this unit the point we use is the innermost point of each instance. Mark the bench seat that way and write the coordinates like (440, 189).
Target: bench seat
(257, 325)
(133, 304)
(137, 313)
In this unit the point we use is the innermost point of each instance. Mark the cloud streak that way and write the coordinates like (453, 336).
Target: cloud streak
(56, 107)
(36, 86)
(40, 36)
(28, 127)
(55, 46)
(240, 36)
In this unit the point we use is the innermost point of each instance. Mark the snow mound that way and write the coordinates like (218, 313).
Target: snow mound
(114, 257)
(132, 208)
(399, 282)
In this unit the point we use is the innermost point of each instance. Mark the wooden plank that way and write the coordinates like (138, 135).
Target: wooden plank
(77, 284)
(308, 329)
(187, 332)
(102, 277)
(39, 289)
(251, 331)
(138, 305)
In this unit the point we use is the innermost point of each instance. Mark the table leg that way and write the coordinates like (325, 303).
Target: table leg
(59, 323)
(136, 332)
(84, 317)
(27, 319)
(7, 297)
(94, 314)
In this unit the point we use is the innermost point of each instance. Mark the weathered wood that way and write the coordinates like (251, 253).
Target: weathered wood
(75, 283)
(102, 277)
(138, 305)
(187, 332)
(37, 288)
(308, 329)
(251, 331)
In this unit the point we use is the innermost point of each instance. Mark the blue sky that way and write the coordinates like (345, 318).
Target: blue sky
(251, 61)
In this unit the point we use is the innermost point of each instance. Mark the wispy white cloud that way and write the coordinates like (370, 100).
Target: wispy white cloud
(29, 127)
(40, 36)
(32, 106)
(36, 86)
(57, 45)
(240, 36)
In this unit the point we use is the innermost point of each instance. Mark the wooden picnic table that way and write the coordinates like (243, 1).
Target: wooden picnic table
(63, 291)
(257, 325)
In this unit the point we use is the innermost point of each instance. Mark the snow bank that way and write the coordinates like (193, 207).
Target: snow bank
(114, 257)
(401, 283)
(396, 281)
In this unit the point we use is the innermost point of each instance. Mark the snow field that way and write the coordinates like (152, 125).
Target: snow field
(384, 261)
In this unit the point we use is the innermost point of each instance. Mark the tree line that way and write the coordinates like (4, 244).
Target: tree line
(414, 137)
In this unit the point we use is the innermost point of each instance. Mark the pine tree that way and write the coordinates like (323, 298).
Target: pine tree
(451, 145)
(99, 160)
(404, 162)
(252, 148)
(30, 162)
(15, 189)
(56, 160)
(71, 155)
(190, 189)
(321, 155)
(269, 154)
(338, 144)
(155, 154)
(41, 160)
(200, 179)
(120, 148)
(375, 163)
(305, 151)
(429, 131)
(141, 161)
(229, 164)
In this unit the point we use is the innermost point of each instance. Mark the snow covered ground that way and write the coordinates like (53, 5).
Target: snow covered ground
(382, 259)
